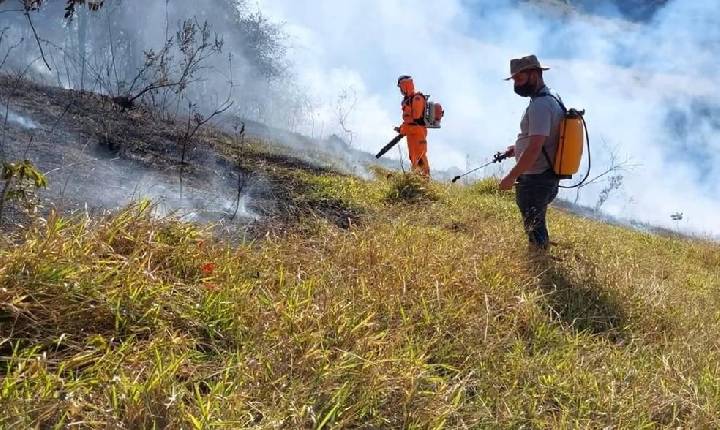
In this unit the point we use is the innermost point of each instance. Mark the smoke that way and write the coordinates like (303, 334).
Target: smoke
(84, 174)
(93, 180)
(103, 52)
(644, 76)
(643, 72)
(20, 120)
(86, 181)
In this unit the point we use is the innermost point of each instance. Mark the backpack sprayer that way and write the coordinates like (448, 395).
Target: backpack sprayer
(498, 157)
(573, 135)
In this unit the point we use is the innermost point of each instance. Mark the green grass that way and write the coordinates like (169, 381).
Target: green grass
(426, 314)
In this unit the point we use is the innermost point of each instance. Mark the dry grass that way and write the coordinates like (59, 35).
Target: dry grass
(422, 315)
(410, 188)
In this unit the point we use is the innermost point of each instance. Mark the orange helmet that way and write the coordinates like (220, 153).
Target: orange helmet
(406, 85)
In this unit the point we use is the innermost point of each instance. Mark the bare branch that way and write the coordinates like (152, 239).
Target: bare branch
(10, 49)
(344, 110)
(37, 39)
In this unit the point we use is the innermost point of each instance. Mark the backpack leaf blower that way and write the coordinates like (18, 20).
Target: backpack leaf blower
(389, 146)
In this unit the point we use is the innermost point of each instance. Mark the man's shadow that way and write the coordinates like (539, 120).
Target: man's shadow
(579, 301)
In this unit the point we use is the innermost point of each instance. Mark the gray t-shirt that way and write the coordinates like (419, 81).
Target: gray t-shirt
(542, 117)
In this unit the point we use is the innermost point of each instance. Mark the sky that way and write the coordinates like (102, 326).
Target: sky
(649, 88)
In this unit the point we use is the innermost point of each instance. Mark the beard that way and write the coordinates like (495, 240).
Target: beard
(528, 89)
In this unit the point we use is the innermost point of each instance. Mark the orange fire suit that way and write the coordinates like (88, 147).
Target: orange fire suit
(413, 127)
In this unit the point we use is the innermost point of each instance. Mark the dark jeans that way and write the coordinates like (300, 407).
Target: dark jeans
(533, 194)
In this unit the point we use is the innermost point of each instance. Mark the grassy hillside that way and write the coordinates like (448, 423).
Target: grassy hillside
(422, 311)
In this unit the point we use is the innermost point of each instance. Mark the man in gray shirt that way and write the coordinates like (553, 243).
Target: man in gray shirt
(536, 184)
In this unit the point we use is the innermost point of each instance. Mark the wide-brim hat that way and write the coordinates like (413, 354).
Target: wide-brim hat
(518, 65)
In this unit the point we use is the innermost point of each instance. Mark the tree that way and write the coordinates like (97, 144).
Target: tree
(70, 5)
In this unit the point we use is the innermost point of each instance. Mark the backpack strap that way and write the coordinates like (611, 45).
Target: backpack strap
(421, 120)
(546, 93)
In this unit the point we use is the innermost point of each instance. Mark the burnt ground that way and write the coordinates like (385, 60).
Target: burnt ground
(98, 157)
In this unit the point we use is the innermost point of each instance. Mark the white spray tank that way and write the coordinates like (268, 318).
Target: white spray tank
(434, 113)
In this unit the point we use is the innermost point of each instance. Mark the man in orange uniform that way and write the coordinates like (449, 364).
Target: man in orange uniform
(413, 126)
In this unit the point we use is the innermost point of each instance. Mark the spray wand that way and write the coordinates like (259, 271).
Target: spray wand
(498, 157)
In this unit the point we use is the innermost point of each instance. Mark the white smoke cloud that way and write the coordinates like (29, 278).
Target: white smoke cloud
(633, 78)
(22, 121)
